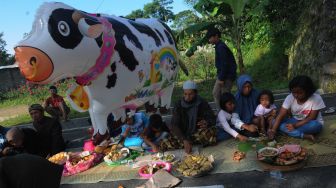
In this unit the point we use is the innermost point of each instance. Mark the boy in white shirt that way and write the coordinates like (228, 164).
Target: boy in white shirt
(228, 123)
(304, 105)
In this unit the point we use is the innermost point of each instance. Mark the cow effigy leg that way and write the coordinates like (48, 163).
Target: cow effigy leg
(99, 124)
(166, 99)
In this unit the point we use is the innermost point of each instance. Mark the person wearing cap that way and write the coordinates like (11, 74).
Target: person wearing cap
(49, 131)
(55, 105)
(193, 121)
(225, 64)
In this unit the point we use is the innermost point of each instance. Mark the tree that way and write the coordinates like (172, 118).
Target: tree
(5, 58)
(230, 16)
(136, 14)
(159, 9)
(184, 19)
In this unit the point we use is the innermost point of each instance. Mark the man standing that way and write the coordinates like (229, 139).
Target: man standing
(49, 131)
(225, 64)
(55, 105)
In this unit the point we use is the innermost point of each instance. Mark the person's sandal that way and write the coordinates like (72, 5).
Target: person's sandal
(330, 110)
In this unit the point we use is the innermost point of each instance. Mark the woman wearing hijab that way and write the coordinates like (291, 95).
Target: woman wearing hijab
(246, 103)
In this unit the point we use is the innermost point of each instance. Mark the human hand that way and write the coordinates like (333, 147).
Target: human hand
(7, 150)
(273, 112)
(202, 124)
(187, 146)
(290, 127)
(251, 128)
(241, 138)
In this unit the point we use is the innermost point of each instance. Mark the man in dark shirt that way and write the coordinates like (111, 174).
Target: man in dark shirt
(49, 131)
(193, 120)
(225, 64)
(25, 170)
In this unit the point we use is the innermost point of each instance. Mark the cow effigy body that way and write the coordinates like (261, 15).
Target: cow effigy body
(117, 63)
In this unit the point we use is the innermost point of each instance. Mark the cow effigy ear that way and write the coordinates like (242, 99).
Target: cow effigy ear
(88, 27)
(76, 16)
(92, 31)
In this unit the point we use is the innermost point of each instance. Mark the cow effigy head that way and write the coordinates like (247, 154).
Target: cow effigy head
(64, 42)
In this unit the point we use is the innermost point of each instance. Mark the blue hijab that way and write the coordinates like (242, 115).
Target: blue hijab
(246, 105)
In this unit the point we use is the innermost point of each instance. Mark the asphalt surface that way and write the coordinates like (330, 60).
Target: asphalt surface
(75, 132)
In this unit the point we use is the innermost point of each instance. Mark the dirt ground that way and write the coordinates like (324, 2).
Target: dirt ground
(13, 111)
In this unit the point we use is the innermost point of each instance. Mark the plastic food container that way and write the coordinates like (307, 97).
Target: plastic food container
(142, 173)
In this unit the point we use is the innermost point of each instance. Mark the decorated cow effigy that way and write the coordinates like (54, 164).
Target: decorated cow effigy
(118, 63)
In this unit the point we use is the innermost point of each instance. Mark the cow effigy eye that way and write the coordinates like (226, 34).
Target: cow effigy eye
(63, 28)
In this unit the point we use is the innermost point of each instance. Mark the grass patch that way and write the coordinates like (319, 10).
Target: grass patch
(18, 120)
(268, 66)
(26, 119)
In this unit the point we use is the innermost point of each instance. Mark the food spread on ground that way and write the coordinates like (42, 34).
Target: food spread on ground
(165, 157)
(195, 165)
(59, 158)
(82, 157)
(107, 149)
(151, 169)
(268, 152)
(238, 155)
(285, 155)
(116, 155)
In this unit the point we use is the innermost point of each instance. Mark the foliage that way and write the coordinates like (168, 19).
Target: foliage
(230, 16)
(5, 58)
(201, 64)
(20, 119)
(159, 9)
(136, 14)
(31, 93)
(184, 19)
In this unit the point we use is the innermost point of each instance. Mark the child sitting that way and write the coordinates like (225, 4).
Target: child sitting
(305, 107)
(136, 124)
(265, 112)
(228, 123)
(157, 131)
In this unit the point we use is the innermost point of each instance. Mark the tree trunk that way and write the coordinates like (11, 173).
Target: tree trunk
(238, 46)
(240, 59)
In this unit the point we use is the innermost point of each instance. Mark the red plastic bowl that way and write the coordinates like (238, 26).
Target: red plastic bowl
(147, 176)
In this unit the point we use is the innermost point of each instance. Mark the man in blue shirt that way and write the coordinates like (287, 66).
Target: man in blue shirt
(225, 64)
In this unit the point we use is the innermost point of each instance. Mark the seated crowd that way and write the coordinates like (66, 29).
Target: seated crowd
(248, 113)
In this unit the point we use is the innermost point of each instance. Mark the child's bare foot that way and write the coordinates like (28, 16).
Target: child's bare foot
(309, 137)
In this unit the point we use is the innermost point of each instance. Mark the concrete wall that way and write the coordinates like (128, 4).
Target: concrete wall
(10, 78)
